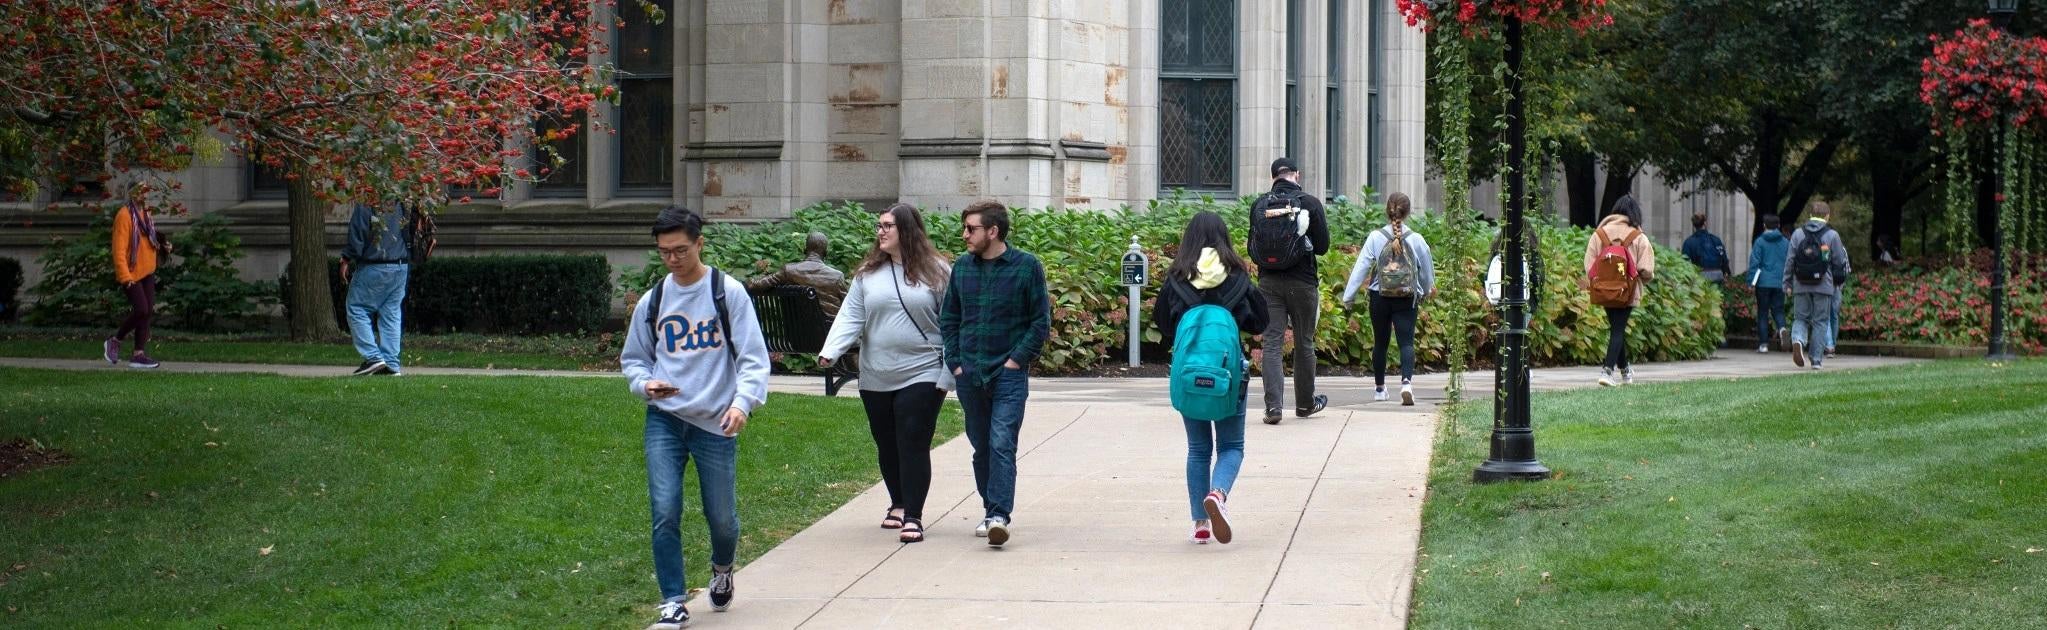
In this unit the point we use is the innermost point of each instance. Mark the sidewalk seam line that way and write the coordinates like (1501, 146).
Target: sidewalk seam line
(1264, 598)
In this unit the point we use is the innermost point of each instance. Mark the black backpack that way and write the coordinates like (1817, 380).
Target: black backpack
(1811, 259)
(1277, 241)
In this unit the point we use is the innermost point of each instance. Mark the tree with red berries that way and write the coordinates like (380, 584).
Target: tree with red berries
(352, 101)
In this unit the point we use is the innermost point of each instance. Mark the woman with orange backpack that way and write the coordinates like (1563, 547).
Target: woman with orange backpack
(1618, 261)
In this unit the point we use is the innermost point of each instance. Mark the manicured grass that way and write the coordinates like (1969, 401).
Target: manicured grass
(1908, 497)
(465, 351)
(413, 502)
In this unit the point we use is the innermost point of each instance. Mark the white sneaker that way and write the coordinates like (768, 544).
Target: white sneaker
(1407, 394)
(998, 532)
(982, 531)
(1606, 377)
(1627, 376)
(1763, 349)
(1379, 394)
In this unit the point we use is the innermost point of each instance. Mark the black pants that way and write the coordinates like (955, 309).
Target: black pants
(1617, 337)
(1390, 315)
(1289, 303)
(141, 309)
(902, 422)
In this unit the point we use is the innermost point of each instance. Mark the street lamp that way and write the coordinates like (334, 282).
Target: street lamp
(2001, 12)
(1513, 439)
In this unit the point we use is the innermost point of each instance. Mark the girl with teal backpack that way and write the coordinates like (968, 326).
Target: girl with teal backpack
(1206, 304)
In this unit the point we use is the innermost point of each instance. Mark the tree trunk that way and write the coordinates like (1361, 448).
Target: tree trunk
(1581, 184)
(312, 303)
(1620, 180)
(1893, 184)
(1769, 177)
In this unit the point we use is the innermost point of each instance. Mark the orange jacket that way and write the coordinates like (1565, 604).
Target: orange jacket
(132, 266)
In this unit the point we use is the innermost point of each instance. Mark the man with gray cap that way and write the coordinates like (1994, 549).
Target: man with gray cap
(1288, 231)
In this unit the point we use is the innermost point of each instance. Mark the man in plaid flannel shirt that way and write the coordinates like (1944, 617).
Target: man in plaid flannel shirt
(995, 319)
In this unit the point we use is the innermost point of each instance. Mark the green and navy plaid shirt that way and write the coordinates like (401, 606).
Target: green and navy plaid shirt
(995, 311)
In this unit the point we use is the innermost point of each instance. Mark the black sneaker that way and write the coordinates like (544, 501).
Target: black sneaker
(1321, 402)
(1272, 416)
(721, 588)
(387, 370)
(371, 366)
(673, 616)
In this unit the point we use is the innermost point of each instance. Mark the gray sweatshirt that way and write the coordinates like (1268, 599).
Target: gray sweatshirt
(893, 354)
(691, 353)
(1837, 259)
(1369, 256)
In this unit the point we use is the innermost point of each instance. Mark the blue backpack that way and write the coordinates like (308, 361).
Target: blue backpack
(1208, 377)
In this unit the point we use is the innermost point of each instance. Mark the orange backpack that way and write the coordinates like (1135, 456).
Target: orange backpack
(1613, 273)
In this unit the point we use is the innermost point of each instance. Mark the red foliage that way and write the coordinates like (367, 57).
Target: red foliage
(1980, 75)
(1946, 305)
(1475, 15)
(366, 99)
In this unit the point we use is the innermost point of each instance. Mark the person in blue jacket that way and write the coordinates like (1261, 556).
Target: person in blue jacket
(1766, 273)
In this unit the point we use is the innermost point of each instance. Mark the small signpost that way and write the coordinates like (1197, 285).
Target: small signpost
(1136, 268)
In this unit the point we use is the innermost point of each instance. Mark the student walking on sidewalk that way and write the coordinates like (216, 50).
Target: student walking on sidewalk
(1289, 230)
(1618, 262)
(995, 319)
(1401, 273)
(694, 352)
(1814, 272)
(891, 313)
(136, 248)
(1208, 272)
(1766, 274)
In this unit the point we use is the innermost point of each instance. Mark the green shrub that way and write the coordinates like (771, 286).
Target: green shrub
(10, 289)
(201, 291)
(516, 295)
(78, 285)
(1081, 248)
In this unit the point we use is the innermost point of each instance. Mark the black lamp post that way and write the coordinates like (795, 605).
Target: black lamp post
(1513, 440)
(2001, 12)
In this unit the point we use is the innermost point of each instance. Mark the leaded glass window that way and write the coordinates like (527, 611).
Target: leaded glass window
(1198, 94)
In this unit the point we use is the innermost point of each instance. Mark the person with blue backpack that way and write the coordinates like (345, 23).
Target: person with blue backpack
(1205, 306)
(1401, 272)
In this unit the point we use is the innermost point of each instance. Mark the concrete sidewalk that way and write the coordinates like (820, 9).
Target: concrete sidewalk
(1327, 513)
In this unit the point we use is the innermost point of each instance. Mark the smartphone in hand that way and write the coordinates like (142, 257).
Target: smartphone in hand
(663, 390)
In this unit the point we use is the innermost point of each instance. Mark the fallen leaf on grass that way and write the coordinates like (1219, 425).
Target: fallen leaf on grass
(209, 427)
(265, 551)
(212, 445)
(2032, 550)
(1873, 564)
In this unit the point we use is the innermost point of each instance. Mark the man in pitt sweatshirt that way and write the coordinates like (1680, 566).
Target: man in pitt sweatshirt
(694, 351)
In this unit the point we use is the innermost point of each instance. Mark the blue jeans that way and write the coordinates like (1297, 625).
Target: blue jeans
(1834, 319)
(995, 413)
(1224, 439)
(671, 443)
(378, 289)
(1769, 313)
(1809, 313)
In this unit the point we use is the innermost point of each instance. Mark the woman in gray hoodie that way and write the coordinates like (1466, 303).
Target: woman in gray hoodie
(891, 313)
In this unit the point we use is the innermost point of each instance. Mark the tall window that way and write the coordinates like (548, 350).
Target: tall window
(1333, 107)
(264, 182)
(569, 177)
(1198, 94)
(1293, 79)
(1375, 81)
(646, 64)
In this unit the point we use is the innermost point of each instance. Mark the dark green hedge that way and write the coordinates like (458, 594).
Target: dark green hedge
(10, 289)
(517, 295)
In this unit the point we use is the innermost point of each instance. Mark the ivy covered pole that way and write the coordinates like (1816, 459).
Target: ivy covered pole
(2001, 12)
(1513, 440)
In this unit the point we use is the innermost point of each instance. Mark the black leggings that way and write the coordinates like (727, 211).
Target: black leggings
(141, 309)
(1617, 337)
(1390, 315)
(902, 422)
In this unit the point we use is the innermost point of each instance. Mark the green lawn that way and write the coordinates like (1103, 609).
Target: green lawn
(1909, 497)
(414, 502)
(464, 351)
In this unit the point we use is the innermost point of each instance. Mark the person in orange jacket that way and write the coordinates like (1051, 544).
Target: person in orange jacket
(137, 246)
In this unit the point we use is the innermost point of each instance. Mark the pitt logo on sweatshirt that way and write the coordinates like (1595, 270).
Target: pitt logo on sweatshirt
(678, 336)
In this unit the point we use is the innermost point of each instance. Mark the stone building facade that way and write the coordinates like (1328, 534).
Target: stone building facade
(751, 109)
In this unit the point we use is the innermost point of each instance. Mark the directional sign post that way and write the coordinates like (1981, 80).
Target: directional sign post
(1135, 275)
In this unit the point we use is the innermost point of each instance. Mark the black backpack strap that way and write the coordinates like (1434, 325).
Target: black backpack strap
(724, 316)
(1238, 286)
(653, 310)
(1185, 289)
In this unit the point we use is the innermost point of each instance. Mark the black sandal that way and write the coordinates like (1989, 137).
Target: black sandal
(913, 531)
(889, 520)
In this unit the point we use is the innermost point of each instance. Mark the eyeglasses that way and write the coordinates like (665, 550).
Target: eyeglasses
(971, 228)
(885, 227)
(673, 254)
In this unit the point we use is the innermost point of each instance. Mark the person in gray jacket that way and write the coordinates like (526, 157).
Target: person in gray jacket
(891, 312)
(1814, 271)
(1395, 299)
(694, 352)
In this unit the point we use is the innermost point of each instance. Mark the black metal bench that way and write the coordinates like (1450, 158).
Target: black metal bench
(793, 322)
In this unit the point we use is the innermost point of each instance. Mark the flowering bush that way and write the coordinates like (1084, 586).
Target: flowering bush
(1947, 305)
(1473, 15)
(1980, 74)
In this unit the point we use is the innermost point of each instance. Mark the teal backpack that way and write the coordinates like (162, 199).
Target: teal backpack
(1208, 377)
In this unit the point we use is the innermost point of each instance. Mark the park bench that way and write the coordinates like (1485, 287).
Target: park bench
(793, 322)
